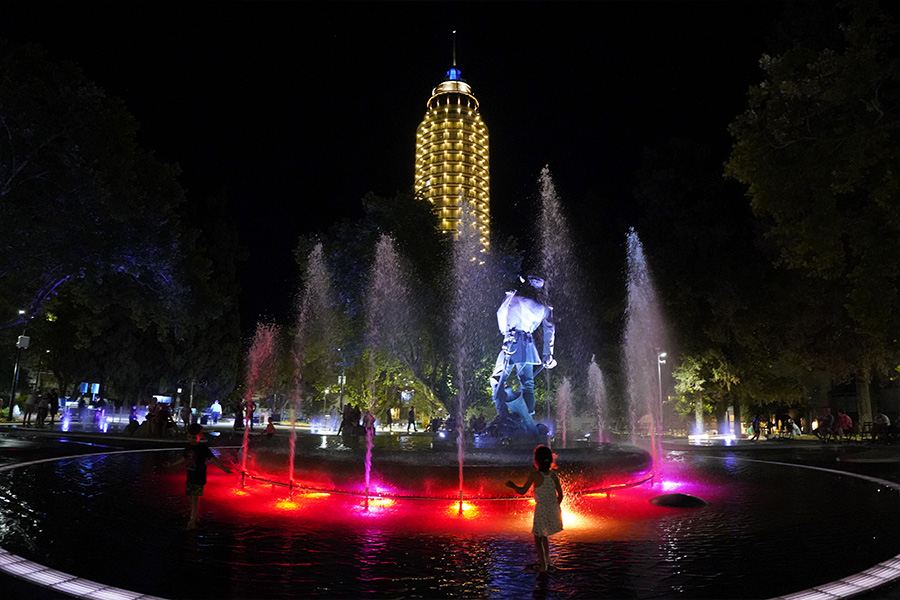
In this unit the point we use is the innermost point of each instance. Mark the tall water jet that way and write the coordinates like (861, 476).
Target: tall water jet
(597, 393)
(260, 368)
(315, 338)
(470, 318)
(388, 314)
(645, 342)
(563, 400)
(558, 265)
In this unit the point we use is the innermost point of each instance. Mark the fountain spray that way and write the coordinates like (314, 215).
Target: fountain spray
(261, 364)
(644, 336)
(388, 313)
(314, 322)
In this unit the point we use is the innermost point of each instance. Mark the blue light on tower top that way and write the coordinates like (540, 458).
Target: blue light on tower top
(453, 75)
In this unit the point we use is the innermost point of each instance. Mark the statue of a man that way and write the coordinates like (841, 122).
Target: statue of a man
(518, 316)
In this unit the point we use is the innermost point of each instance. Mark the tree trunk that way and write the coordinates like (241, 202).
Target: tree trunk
(864, 394)
(700, 425)
(721, 416)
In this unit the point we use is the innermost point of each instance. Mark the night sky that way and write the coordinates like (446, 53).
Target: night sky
(297, 110)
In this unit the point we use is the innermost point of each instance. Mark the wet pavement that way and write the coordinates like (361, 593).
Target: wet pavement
(19, 444)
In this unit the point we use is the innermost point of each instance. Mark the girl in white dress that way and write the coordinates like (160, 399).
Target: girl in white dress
(548, 495)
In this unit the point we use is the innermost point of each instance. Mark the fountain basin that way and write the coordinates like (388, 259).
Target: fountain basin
(424, 467)
(258, 543)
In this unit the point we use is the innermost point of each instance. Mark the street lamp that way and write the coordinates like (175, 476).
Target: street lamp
(660, 361)
(21, 344)
(342, 379)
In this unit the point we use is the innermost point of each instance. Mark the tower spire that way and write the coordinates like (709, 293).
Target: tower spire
(454, 47)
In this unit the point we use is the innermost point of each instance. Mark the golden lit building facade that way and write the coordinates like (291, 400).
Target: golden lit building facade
(452, 156)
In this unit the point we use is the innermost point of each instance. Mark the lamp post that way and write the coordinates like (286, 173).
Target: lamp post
(342, 379)
(660, 361)
(21, 344)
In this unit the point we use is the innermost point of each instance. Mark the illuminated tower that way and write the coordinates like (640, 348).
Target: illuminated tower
(452, 155)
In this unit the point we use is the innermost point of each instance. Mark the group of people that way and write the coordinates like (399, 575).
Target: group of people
(158, 423)
(836, 428)
(355, 422)
(245, 413)
(788, 428)
(349, 420)
(39, 407)
(828, 427)
(831, 428)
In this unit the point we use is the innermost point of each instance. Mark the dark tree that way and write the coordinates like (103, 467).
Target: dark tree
(818, 148)
(117, 287)
(78, 197)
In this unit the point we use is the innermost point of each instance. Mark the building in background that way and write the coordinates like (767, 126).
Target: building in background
(452, 159)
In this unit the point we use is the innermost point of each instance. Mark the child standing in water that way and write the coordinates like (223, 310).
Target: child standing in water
(196, 455)
(548, 495)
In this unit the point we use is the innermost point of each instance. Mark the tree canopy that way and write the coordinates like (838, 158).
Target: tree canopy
(79, 197)
(818, 149)
(116, 283)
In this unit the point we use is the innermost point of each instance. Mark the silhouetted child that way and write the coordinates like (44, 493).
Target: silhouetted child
(195, 456)
(131, 428)
(270, 429)
(548, 495)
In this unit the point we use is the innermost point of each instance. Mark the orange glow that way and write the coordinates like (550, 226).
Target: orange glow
(382, 502)
(286, 505)
(574, 520)
(469, 511)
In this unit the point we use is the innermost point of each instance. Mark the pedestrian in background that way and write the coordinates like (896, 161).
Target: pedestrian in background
(30, 406)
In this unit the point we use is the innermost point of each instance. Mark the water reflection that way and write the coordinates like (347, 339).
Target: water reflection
(258, 542)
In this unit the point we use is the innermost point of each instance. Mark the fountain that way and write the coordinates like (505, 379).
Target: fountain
(314, 325)
(558, 261)
(387, 325)
(412, 516)
(468, 471)
(256, 542)
(597, 393)
(563, 399)
(260, 367)
(469, 318)
(643, 341)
